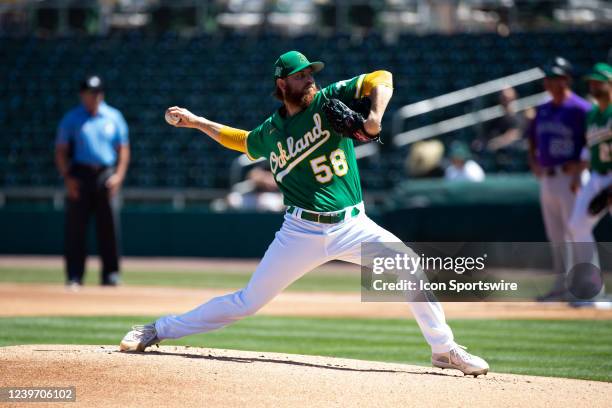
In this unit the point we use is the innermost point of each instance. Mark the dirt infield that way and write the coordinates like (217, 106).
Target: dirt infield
(190, 377)
(56, 300)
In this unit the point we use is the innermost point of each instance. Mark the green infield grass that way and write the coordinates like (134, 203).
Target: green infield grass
(328, 280)
(336, 282)
(574, 349)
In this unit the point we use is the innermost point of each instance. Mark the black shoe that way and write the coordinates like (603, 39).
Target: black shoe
(112, 279)
(601, 301)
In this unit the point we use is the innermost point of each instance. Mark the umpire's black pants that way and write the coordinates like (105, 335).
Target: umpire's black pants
(94, 198)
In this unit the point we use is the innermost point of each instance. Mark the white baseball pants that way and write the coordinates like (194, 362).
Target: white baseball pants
(557, 203)
(299, 247)
(581, 223)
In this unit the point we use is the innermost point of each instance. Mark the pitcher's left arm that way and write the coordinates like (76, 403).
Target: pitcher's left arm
(378, 86)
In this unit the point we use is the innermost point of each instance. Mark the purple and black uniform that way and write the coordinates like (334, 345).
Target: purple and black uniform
(558, 132)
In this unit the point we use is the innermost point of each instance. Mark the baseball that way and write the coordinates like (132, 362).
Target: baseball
(172, 119)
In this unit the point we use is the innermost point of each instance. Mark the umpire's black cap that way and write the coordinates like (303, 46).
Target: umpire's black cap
(559, 66)
(92, 83)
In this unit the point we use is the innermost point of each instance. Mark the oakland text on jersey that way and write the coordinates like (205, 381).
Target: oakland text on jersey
(296, 147)
(597, 134)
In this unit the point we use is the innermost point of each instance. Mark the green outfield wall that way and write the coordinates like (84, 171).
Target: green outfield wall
(500, 209)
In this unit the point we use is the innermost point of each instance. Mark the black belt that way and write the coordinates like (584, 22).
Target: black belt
(323, 218)
(91, 168)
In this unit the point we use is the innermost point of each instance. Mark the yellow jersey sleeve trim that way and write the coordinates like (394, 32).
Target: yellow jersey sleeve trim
(246, 148)
(234, 139)
(374, 79)
(358, 87)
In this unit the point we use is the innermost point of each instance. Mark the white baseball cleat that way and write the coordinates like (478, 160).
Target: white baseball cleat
(139, 338)
(461, 360)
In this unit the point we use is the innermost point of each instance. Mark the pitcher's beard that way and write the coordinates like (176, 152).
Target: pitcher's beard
(303, 98)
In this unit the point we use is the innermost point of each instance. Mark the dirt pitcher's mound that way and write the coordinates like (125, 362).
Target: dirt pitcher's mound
(182, 376)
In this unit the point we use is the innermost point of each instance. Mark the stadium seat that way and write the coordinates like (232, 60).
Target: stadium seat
(220, 77)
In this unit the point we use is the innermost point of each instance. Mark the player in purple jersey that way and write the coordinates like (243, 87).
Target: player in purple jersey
(556, 138)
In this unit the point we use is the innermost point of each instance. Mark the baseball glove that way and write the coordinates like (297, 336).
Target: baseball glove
(601, 201)
(346, 121)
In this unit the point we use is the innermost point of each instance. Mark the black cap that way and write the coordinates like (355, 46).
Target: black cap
(559, 66)
(92, 83)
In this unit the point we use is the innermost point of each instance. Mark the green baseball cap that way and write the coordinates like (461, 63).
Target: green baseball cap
(292, 62)
(601, 72)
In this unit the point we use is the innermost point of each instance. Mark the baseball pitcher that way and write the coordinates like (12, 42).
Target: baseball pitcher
(309, 145)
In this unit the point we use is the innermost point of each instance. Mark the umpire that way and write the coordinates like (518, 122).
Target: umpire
(92, 154)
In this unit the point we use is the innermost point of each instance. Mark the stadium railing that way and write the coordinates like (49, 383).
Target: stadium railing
(463, 95)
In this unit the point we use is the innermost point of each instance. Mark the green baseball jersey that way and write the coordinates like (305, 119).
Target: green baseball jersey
(599, 138)
(315, 168)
